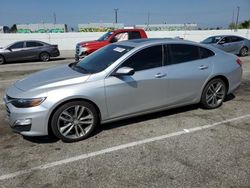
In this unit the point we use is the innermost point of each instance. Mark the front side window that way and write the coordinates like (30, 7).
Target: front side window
(17, 45)
(226, 40)
(101, 59)
(120, 37)
(183, 52)
(148, 58)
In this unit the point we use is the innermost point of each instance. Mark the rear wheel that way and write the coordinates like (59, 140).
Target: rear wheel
(44, 56)
(243, 51)
(2, 60)
(74, 121)
(214, 94)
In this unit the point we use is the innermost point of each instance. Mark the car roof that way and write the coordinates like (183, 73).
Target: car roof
(227, 36)
(154, 41)
(31, 41)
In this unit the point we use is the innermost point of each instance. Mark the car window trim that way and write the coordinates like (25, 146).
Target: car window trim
(171, 53)
(136, 50)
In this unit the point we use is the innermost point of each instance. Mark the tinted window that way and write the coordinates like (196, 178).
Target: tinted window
(33, 44)
(226, 40)
(183, 52)
(17, 45)
(236, 39)
(205, 53)
(101, 59)
(211, 40)
(145, 59)
(134, 35)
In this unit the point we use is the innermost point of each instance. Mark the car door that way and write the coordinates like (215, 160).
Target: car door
(121, 36)
(32, 49)
(237, 44)
(226, 44)
(15, 52)
(187, 70)
(144, 90)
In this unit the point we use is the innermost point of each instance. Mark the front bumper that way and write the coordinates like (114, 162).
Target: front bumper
(37, 117)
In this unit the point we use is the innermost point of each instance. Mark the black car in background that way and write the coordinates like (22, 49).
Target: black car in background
(28, 50)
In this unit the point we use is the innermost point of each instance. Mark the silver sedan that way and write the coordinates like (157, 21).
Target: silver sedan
(121, 80)
(229, 43)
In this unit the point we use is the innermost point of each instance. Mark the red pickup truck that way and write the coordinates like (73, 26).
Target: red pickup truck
(85, 48)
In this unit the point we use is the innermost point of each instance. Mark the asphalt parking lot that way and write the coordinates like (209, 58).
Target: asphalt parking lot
(183, 147)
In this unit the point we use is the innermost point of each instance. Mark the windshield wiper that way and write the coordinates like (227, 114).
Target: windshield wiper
(74, 65)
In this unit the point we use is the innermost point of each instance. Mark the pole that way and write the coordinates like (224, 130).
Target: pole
(54, 14)
(233, 20)
(116, 10)
(237, 18)
(148, 18)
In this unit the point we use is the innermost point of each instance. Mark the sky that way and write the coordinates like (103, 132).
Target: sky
(206, 13)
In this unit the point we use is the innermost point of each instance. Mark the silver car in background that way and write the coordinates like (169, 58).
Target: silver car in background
(119, 81)
(229, 43)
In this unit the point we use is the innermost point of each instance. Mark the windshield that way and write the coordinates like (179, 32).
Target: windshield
(211, 40)
(101, 59)
(105, 36)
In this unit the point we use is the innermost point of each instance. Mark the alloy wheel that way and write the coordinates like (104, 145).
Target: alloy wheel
(215, 94)
(75, 122)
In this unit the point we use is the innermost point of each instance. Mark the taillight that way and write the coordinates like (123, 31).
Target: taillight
(239, 62)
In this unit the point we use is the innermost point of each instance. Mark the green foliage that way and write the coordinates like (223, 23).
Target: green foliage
(243, 25)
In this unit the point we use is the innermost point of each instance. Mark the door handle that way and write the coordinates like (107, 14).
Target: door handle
(203, 67)
(160, 75)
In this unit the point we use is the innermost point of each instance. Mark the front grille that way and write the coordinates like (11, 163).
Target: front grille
(77, 48)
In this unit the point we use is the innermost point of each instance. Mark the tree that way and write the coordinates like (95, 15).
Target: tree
(232, 26)
(13, 28)
(245, 24)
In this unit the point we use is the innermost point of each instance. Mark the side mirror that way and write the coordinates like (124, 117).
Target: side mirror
(113, 40)
(221, 42)
(124, 71)
(9, 49)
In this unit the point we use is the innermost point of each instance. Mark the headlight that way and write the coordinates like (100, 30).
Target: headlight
(84, 49)
(26, 103)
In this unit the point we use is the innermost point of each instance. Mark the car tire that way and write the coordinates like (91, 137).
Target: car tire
(74, 121)
(2, 60)
(214, 94)
(243, 51)
(44, 56)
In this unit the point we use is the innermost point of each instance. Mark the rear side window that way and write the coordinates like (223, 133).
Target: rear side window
(180, 53)
(145, 59)
(134, 35)
(33, 44)
(205, 53)
(236, 39)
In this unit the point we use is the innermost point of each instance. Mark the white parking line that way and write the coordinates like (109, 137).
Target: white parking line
(8, 81)
(116, 148)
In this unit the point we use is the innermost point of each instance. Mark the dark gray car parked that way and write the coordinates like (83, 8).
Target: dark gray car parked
(28, 50)
(229, 43)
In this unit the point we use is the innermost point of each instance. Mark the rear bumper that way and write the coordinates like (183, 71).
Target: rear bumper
(55, 53)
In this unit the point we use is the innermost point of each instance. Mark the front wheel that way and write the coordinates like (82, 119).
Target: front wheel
(74, 121)
(214, 94)
(2, 60)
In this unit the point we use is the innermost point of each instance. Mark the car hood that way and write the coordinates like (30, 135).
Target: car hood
(51, 78)
(91, 43)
